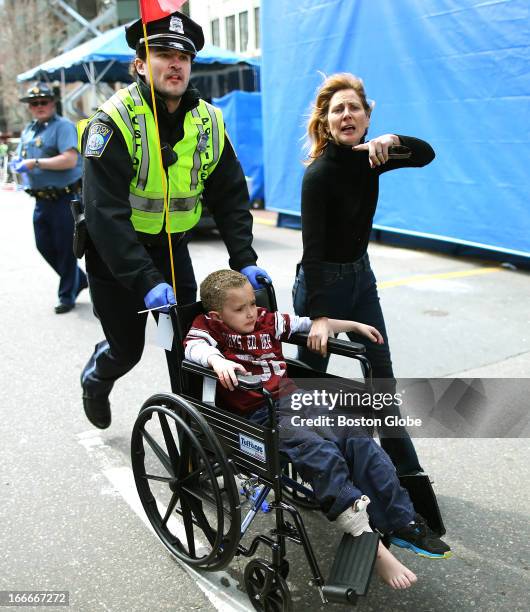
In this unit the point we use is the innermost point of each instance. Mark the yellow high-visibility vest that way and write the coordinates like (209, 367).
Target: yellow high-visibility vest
(198, 153)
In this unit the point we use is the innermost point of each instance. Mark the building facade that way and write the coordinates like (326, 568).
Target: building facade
(230, 24)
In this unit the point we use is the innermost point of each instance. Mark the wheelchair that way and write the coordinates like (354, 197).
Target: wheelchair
(204, 473)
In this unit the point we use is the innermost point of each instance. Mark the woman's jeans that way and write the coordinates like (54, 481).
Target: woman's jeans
(351, 292)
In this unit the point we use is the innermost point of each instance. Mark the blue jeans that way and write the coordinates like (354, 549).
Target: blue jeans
(54, 231)
(341, 465)
(351, 292)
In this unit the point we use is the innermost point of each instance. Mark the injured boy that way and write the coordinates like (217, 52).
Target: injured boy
(352, 477)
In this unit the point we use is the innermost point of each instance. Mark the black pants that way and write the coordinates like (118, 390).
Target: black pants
(351, 292)
(117, 309)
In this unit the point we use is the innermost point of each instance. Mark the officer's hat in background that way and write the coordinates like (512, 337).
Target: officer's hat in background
(176, 31)
(39, 90)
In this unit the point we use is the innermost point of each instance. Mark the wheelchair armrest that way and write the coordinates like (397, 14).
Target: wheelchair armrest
(335, 346)
(250, 382)
(247, 383)
(195, 368)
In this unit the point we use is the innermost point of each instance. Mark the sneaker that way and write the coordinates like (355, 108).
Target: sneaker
(420, 539)
(355, 520)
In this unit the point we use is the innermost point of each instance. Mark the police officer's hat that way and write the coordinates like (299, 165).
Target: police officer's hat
(40, 90)
(176, 31)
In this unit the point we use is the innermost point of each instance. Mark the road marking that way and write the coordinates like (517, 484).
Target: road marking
(219, 587)
(264, 221)
(410, 280)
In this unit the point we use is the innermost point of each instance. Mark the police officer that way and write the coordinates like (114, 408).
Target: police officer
(128, 262)
(47, 155)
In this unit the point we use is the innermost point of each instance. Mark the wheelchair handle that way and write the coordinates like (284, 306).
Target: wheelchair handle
(271, 295)
(263, 280)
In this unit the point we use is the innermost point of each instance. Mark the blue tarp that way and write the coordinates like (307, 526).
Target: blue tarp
(453, 73)
(242, 114)
(112, 46)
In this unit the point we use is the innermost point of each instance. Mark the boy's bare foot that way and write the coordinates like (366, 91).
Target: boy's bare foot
(391, 571)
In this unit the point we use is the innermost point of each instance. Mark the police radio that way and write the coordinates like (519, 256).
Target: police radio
(80, 231)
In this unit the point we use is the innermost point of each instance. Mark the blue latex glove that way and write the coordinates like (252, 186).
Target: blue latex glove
(251, 272)
(161, 295)
(18, 165)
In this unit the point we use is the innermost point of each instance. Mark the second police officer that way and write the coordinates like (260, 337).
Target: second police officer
(47, 155)
(127, 258)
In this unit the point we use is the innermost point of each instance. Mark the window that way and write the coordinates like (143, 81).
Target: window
(216, 39)
(243, 31)
(230, 25)
(257, 28)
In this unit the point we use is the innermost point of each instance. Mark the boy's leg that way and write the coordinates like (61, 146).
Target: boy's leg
(391, 509)
(319, 462)
(347, 472)
(375, 475)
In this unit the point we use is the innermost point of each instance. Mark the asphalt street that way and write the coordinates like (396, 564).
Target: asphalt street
(69, 514)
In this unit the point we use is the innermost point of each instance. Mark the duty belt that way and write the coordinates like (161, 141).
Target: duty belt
(54, 193)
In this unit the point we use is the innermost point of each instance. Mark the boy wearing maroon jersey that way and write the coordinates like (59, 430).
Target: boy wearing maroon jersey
(235, 336)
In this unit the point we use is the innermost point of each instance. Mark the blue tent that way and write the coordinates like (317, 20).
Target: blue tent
(242, 115)
(106, 59)
(453, 73)
(109, 52)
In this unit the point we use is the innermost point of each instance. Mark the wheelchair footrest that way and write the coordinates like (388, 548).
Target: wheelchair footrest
(352, 568)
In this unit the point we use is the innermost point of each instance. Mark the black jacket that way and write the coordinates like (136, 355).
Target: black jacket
(106, 182)
(339, 198)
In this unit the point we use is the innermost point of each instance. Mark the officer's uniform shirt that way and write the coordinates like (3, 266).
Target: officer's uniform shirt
(106, 180)
(48, 139)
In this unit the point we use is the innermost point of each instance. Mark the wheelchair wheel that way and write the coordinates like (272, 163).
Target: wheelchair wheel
(301, 500)
(185, 482)
(266, 589)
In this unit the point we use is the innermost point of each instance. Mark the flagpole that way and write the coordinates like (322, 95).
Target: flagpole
(162, 170)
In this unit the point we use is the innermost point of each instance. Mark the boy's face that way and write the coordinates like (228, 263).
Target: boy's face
(239, 311)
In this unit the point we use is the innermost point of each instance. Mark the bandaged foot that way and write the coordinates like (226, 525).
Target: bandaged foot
(354, 520)
(391, 571)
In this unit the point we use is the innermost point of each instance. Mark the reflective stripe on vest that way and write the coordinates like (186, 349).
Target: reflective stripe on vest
(198, 153)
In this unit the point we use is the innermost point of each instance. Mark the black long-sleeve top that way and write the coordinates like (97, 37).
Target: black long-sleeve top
(106, 181)
(339, 198)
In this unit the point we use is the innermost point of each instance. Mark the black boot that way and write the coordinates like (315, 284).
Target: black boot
(97, 410)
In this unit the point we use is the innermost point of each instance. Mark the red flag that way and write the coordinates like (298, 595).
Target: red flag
(151, 10)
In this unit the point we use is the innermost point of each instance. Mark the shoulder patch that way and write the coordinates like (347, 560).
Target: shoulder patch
(98, 137)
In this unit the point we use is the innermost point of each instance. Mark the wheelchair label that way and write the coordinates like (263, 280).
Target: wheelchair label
(252, 447)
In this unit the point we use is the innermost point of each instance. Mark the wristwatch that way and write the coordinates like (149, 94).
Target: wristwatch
(37, 163)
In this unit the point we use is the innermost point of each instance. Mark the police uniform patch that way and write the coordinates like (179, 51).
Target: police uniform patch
(97, 139)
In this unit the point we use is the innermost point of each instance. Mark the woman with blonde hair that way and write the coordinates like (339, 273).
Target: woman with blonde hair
(339, 198)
